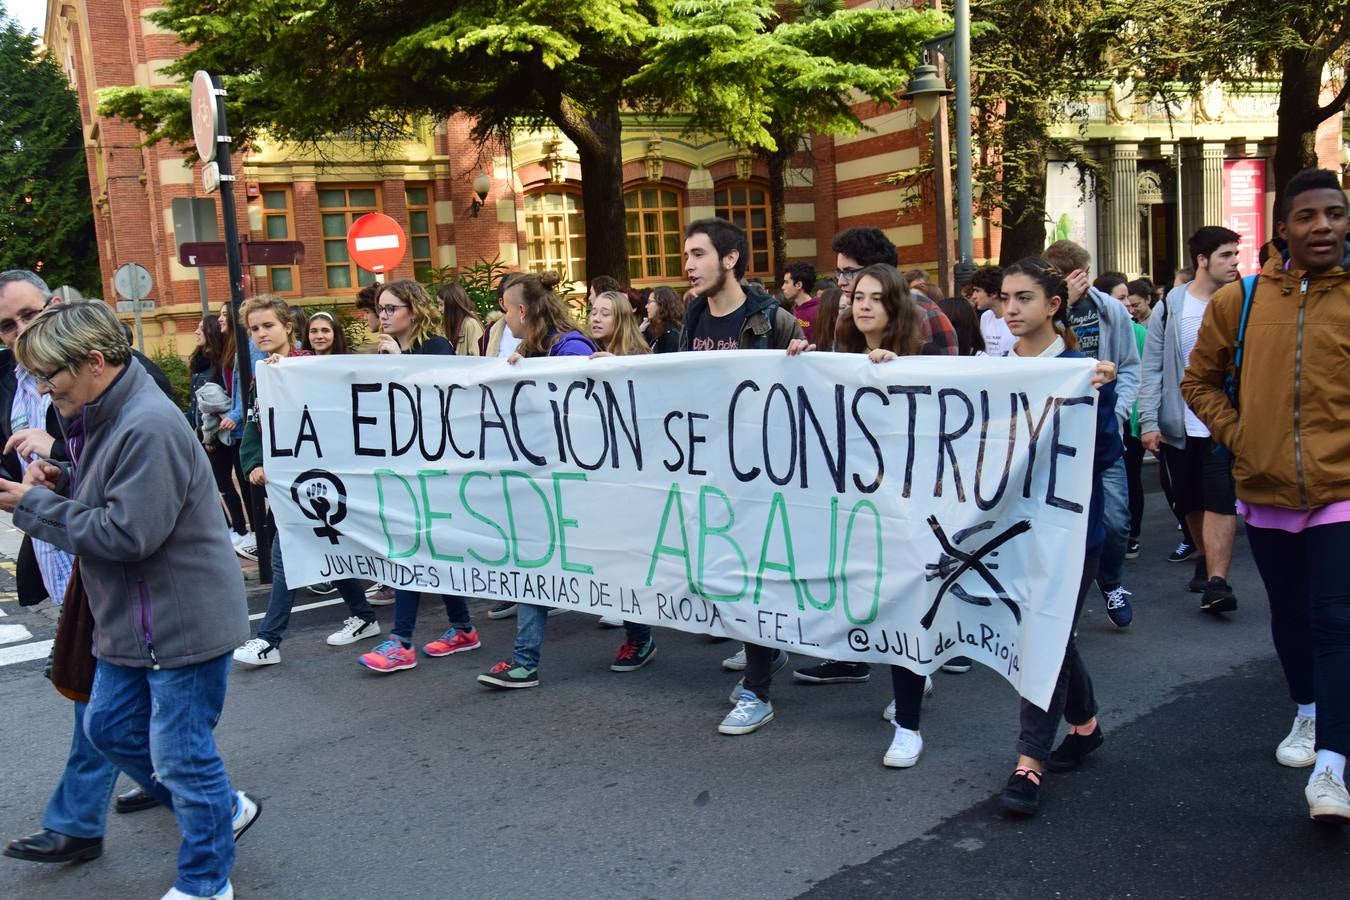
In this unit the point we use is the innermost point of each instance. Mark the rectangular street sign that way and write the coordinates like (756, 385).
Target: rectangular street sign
(254, 253)
(126, 306)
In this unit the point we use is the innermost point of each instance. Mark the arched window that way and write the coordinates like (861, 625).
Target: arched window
(655, 232)
(555, 233)
(747, 205)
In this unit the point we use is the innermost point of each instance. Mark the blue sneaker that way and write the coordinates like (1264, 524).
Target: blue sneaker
(246, 812)
(1118, 607)
(750, 713)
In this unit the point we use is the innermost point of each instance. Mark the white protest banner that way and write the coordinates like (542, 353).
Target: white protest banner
(900, 513)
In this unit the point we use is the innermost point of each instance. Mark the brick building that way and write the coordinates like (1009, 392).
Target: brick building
(1167, 175)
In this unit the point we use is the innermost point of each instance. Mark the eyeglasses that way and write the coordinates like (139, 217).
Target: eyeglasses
(844, 276)
(46, 380)
(390, 310)
(9, 326)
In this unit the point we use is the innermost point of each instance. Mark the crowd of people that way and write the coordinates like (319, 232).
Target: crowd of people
(1236, 385)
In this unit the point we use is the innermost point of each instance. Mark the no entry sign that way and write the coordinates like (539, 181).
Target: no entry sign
(376, 243)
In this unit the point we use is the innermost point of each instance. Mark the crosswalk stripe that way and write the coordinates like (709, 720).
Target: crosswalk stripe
(24, 652)
(301, 608)
(12, 634)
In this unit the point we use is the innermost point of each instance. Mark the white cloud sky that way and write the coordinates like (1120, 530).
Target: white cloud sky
(31, 14)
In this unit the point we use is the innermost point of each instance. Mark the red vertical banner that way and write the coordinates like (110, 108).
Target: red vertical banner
(1244, 208)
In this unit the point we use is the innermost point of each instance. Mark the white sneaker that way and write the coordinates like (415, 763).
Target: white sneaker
(1328, 800)
(889, 712)
(247, 547)
(246, 812)
(257, 652)
(1298, 749)
(176, 894)
(353, 629)
(611, 622)
(905, 749)
(557, 611)
(735, 663)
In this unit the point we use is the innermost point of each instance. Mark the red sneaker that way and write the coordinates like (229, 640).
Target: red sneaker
(391, 656)
(453, 641)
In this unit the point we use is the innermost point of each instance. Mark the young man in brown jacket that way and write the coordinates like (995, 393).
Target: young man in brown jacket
(1285, 427)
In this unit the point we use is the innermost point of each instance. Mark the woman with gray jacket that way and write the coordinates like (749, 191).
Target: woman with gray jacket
(138, 506)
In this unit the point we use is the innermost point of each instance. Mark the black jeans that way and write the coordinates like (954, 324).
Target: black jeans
(908, 687)
(759, 669)
(1134, 481)
(1309, 593)
(1073, 697)
(1166, 484)
(224, 460)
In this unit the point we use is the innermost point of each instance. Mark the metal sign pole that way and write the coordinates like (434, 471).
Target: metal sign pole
(235, 266)
(136, 311)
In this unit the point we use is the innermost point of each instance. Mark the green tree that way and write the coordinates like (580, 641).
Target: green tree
(1169, 49)
(306, 69)
(767, 75)
(46, 218)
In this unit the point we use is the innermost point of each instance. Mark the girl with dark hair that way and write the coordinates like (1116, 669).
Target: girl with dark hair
(231, 424)
(966, 324)
(207, 366)
(884, 322)
(1035, 298)
(540, 319)
(323, 335)
(462, 327)
(665, 318)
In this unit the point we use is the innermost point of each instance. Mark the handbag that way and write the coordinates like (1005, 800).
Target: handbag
(73, 659)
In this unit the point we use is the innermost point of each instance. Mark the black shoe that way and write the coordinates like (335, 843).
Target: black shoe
(1132, 549)
(53, 847)
(957, 665)
(834, 672)
(1022, 794)
(1183, 552)
(1200, 578)
(1073, 749)
(134, 800)
(1218, 597)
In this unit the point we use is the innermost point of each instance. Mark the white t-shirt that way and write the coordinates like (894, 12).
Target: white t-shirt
(509, 342)
(998, 340)
(1192, 314)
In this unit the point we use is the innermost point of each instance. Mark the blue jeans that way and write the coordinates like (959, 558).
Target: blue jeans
(282, 598)
(1116, 519)
(530, 622)
(79, 805)
(405, 613)
(156, 726)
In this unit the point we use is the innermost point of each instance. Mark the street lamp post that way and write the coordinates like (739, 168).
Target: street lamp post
(927, 90)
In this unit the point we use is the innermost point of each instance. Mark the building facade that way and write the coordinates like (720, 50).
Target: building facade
(532, 218)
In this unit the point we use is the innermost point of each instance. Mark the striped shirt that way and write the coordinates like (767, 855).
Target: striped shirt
(30, 411)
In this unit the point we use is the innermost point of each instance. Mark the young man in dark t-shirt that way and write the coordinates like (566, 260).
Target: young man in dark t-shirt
(727, 316)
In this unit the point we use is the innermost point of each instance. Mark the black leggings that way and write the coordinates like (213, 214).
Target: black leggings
(224, 462)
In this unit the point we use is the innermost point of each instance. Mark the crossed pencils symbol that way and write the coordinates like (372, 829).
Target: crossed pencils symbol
(954, 562)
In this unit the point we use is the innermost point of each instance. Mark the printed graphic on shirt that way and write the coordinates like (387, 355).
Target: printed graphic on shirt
(1087, 325)
(998, 340)
(718, 332)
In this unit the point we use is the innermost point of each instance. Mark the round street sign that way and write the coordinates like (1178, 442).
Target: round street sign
(376, 243)
(132, 281)
(205, 133)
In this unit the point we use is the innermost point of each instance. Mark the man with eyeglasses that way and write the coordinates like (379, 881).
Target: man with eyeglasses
(857, 248)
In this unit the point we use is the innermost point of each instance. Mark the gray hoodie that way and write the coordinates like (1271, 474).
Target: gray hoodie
(1161, 407)
(144, 518)
(1118, 346)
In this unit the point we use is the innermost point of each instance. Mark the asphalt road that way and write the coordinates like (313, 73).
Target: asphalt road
(597, 784)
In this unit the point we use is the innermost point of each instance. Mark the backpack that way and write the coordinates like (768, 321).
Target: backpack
(1230, 383)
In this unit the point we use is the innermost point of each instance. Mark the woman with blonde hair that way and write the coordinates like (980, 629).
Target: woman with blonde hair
(614, 327)
(410, 321)
(462, 327)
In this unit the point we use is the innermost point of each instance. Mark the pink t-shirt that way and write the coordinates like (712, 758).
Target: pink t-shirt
(1294, 520)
